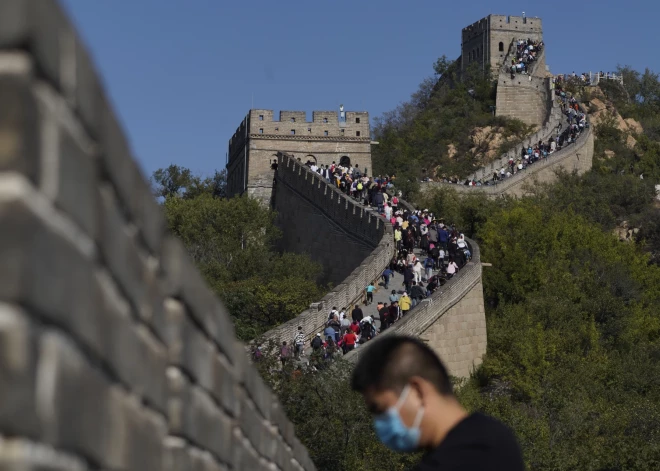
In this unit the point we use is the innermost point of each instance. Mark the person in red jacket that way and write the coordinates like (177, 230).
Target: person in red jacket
(349, 341)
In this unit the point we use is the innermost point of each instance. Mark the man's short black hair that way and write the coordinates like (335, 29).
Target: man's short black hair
(390, 361)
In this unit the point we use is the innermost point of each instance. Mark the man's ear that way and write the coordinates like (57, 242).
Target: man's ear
(421, 387)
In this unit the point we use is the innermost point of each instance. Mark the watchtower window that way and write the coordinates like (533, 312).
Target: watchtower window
(309, 129)
(357, 133)
(357, 120)
(342, 131)
(293, 131)
(325, 133)
(501, 46)
(293, 120)
(325, 120)
(261, 130)
(261, 117)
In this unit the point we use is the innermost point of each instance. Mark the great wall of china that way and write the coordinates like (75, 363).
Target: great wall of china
(531, 99)
(91, 282)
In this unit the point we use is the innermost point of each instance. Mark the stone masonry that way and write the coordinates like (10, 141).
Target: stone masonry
(316, 216)
(114, 354)
(353, 244)
(452, 321)
(324, 140)
(528, 98)
(576, 157)
(487, 41)
(319, 220)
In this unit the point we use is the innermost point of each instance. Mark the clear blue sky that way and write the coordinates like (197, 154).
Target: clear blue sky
(182, 74)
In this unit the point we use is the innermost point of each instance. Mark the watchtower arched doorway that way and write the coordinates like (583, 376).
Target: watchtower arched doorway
(345, 161)
(311, 159)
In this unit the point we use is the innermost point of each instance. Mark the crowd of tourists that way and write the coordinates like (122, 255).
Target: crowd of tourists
(527, 51)
(428, 253)
(370, 191)
(566, 133)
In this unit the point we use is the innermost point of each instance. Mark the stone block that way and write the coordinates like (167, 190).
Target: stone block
(21, 454)
(14, 23)
(202, 460)
(19, 130)
(177, 454)
(194, 415)
(258, 391)
(254, 427)
(223, 386)
(75, 405)
(88, 93)
(116, 157)
(188, 346)
(205, 307)
(137, 277)
(77, 182)
(244, 456)
(44, 270)
(147, 376)
(51, 39)
(145, 434)
(17, 372)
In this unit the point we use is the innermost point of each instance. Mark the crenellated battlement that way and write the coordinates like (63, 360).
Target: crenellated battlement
(327, 138)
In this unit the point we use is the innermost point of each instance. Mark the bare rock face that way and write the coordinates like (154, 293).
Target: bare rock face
(609, 153)
(634, 126)
(600, 108)
(451, 151)
(486, 141)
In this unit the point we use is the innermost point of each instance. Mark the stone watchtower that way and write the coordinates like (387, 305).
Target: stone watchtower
(487, 41)
(343, 138)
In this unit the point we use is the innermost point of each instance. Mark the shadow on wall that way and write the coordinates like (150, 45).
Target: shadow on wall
(318, 219)
(115, 353)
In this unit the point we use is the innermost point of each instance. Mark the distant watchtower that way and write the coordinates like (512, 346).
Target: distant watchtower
(327, 138)
(487, 41)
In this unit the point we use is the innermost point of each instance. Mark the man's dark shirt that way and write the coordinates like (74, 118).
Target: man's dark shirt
(357, 314)
(417, 292)
(478, 443)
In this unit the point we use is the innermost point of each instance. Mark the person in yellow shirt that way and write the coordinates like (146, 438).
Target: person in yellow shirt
(404, 303)
(397, 238)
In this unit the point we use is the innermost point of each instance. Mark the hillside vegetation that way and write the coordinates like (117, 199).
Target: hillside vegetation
(447, 128)
(232, 242)
(573, 312)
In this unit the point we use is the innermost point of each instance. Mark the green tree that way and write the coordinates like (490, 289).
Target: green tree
(233, 243)
(180, 181)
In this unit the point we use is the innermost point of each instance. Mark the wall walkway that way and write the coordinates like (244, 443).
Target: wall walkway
(114, 354)
(335, 230)
(452, 320)
(575, 157)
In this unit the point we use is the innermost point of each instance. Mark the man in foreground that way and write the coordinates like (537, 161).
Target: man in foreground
(407, 389)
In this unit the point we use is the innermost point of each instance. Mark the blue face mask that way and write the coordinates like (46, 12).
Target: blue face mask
(392, 431)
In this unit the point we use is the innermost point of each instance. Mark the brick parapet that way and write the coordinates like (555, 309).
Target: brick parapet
(579, 154)
(359, 226)
(431, 311)
(114, 353)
